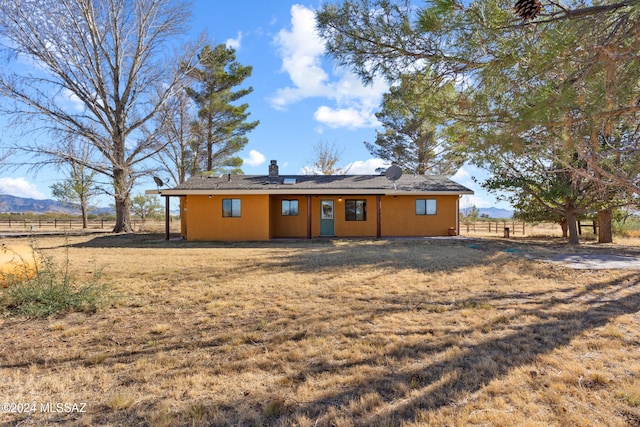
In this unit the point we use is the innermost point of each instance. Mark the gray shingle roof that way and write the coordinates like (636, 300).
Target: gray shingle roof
(316, 184)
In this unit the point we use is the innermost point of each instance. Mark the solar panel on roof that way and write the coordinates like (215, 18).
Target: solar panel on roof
(289, 181)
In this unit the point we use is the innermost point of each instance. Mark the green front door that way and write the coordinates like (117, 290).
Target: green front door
(326, 218)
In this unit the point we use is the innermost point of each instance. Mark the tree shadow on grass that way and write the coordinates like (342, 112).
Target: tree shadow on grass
(440, 370)
(439, 382)
(155, 240)
(328, 256)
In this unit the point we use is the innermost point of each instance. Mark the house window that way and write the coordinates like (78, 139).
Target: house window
(355, 210)
(425, 206)
(290, 208)
(231, 208)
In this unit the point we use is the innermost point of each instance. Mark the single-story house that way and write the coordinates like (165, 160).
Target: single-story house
(263, 207)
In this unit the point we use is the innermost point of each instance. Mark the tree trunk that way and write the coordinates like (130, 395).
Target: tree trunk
(123, 202)
(572, 224)
(83, 210)
(209, 156)
(565, 229)
(123, 215)
(605, 230)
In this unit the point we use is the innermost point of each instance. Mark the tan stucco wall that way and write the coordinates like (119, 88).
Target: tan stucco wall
(342, 227)
(262, 218)
(205, 220)
(399, 216)
(288, 226)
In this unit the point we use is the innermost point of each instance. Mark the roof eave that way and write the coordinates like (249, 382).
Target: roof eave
(312, 192)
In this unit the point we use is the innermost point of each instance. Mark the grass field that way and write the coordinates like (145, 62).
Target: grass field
(330, 333)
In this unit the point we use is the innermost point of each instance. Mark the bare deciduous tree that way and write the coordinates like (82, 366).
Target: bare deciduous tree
(89, 69)
(176, 140)
(325, 160)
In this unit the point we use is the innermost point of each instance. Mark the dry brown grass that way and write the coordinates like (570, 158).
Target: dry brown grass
(342, 333)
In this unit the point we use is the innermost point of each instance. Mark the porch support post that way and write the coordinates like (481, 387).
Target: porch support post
(309, 217)
(166, 217)
(458, 216)
(378, 217)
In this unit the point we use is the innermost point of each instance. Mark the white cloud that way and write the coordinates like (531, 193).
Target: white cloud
(469, 200)
(367, 167)
(345, 117)
(255, 158)
(71, 99)
(19, 187)
(461, 175)
(302, 50)
(359, 167)
(310, 170)
(467, 175)
(234, 43)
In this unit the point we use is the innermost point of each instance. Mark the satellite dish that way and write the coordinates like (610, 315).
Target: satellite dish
(158, 181)
(393, 173)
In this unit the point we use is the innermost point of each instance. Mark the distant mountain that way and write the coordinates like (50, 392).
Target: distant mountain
(12, 204)
(496, 213)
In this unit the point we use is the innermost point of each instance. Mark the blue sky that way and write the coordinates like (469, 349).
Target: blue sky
(299, 96)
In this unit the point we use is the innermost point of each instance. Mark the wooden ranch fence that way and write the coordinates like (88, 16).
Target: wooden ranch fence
(70, 224)
(512, 227)
(505, 227)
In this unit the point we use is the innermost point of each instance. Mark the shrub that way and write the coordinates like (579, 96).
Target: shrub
(53, 290)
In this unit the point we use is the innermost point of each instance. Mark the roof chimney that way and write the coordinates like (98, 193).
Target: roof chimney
(273, 168)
